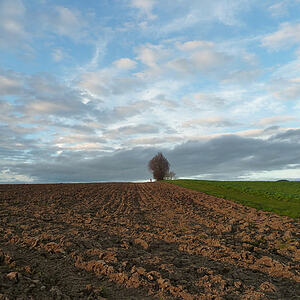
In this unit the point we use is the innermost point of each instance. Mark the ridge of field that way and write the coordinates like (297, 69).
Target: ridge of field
(281, 197)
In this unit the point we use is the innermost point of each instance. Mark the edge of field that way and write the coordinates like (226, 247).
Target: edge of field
(282, 198)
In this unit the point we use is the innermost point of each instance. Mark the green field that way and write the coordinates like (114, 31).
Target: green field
(281, 197)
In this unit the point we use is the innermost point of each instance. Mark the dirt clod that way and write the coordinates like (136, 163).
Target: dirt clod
(13, 276)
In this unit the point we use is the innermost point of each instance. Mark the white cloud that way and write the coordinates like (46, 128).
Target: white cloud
(94, 83)
(275, 120)
(193, 45)
(210, 122)
(258, 104)
(279, 9)
(46, 107)
(163, 101)
(203, 60)
(291, 174)
(287, 35)
(12, 23)
(209, 99)
(125, 63)
(188, 13)
(207, 59)
(78, 141)
(12, 8)
(8, 176)
(178, 24)
(282, 8)
(65, 22)
(150, 55)
(155, 140)
(191, 58)
(286, 89)
(182, 66)
(153, 57)
(57, 54)
(10, 83)
(105, 82)
(286, 71)
(125, 131)
(98, 56)
(145, 6)
(258, 133)
(242, 76)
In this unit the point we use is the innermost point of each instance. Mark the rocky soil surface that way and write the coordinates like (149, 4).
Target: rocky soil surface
(141, 241)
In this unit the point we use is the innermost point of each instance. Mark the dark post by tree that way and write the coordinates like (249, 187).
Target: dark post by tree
(159, 166)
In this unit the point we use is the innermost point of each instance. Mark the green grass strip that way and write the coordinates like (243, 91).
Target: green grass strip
(282, 197)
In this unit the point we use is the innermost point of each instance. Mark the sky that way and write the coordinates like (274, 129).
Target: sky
(92, 90)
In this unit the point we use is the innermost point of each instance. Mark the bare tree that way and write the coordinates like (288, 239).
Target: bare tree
(159, 166)
(171, 175)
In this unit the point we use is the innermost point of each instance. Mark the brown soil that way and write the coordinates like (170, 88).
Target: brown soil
(141, 241)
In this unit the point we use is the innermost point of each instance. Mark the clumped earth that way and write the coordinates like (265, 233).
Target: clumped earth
(141, 241)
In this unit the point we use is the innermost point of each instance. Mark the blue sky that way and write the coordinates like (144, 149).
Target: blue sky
(92, 90)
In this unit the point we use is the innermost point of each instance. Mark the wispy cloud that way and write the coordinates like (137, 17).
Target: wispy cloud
(210, 122)
(275, 120)
(288, 35)
(191, 13)
(11, 83)
(125, 63)
(279, 9)
(145, 7)
(57, 55)
(66, 22)
(286, 89)
(12, 23)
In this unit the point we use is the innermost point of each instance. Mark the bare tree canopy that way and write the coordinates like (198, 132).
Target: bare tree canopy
(171, 175)
(159, 166)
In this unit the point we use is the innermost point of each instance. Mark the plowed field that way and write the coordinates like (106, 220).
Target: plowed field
(141, 241)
